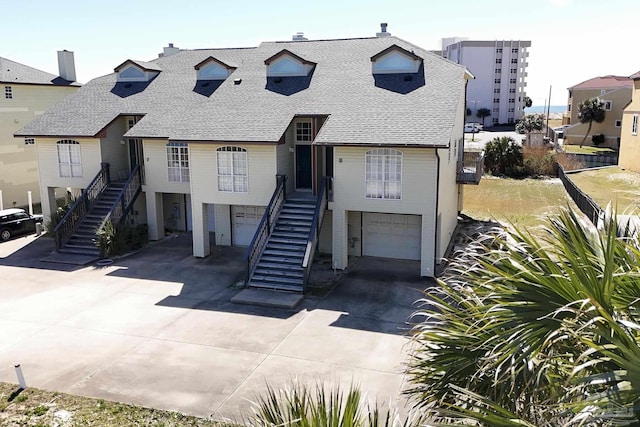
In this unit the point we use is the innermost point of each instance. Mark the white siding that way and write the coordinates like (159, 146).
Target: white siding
(113, 151)
(48, 162)
(419, 177)
(261, 161)
(18, 164)
(156, 171)
(285, 159)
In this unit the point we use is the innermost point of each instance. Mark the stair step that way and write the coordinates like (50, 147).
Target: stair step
(279, 265)
(295, 217)
(292, 228)
(296, 247)
(281, 259)
(289, 235)
(285, 254)
(297, 240)
(277, 286)
(298, 210)
(273, 273)
(261, 278)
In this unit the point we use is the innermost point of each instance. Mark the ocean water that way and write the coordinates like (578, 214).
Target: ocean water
(541, 109)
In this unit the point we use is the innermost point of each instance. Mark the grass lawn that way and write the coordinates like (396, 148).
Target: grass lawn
(612, 184)
(575, 149)
(34, 407)
(523, 202)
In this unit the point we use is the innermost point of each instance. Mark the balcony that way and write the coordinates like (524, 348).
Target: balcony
(470, 167)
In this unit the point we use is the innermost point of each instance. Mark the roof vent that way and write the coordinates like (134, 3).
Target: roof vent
(383, 30)
(237, 81)
(299, 37)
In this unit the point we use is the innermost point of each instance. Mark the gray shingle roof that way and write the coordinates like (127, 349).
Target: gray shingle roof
(341, 86)
(14, 72)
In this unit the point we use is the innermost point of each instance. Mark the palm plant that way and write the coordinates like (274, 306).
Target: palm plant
(530, 123)
(483, 113)
(534, 332)
(300, 405)
(589, 111)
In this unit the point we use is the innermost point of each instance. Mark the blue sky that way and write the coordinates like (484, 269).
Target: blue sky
(571, 40)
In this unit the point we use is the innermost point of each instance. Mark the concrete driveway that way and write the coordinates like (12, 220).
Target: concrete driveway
(158, 329)
(481, 138)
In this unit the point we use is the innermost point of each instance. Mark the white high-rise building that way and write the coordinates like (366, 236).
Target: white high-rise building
(500, 70)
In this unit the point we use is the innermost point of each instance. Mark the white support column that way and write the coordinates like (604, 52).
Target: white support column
(223, 225)
(1, 203)
(340, 243)
(200, 224)
(427, 261)
(155, 215)
(48, 201)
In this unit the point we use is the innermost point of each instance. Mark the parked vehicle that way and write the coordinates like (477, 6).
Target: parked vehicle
(16, 221)
(472, 127)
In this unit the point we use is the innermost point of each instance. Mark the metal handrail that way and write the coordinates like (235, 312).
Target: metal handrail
(124, 202)
(266, 225)
(65, 228)
(316, 223)
(473, 161)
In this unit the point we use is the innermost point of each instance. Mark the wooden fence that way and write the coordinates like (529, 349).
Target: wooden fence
(587, 205)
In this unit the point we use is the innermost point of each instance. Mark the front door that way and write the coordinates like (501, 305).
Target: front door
(303, 167)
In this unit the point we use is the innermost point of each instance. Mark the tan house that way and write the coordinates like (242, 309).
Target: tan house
(26, 93)
(353, 147)
(630, 141)
(615, 92)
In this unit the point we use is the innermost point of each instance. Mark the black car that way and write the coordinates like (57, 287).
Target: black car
(17, 221)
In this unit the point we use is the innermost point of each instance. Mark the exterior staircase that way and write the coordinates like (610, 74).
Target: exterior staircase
(280, 264)
(82, 240)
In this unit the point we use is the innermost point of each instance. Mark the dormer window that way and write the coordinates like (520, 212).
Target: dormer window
(136, 71)
(285, 64)
(395, 60)
(213, 69)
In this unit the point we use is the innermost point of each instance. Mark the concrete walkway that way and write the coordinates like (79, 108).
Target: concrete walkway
(158, 329)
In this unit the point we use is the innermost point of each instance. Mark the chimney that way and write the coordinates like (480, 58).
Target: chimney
(383, 30)
(298, 37)
(170, 50)
(66, 65)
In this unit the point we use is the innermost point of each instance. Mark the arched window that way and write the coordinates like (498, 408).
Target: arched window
(383, 174)
(69, 159)
(233, 170)
(178, 162)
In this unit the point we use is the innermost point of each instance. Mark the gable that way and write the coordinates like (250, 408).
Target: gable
(395, 60)
(285, 63)
(213, 69)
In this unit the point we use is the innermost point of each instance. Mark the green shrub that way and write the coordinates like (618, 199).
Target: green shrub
(503, 156)
(116, 240)
(597, 139)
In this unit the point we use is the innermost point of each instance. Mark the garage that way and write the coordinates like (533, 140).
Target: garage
(391, 235)
(245, 220)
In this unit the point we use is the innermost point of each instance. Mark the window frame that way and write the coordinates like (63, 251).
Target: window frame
(69, 150)
(303, 134)
(387, 185)
(178, 162)
(609, 103)
(8, 92)
(237, 164)
(634, 124)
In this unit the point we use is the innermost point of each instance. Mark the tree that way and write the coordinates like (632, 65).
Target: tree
(527, 102)
(530, 331)
(482, 113)
(468, 111)
(530, 123)
(503, 156)
(589, 111)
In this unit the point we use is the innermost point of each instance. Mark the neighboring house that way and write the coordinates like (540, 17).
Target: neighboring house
(208, 131)
(615, 92)
(26, 93)
(500, 71)
(629, 157)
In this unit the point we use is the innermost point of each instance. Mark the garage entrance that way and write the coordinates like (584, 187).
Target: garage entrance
(391, 235)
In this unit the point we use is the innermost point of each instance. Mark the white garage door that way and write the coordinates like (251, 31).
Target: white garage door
(391, 236)
(245, 220)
